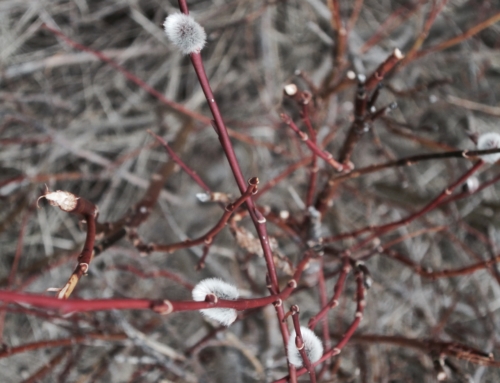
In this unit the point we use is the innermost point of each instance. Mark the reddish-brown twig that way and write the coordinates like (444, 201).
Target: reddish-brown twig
(70, 203)
(24, 140)
(383, 229)
(427, 272)
(46, 178)
(435, 11)
(323, 303)
(9, 351)
(410, 235)
(280, 177)
(431, 346)
(208, 237)
(257, 218)
(383, 69)
(181, 163)
(74, 357)
(468, 193)
(358, 4)
(358, 127)
(340, 32)
(327, 157)
(362, 105)
(140, 212)
(46, 368)
(337, 290)
(390, 23)
(422, 87)
(458, 39)
(409, 161)
(201, 262)
(130, 76)
(195, 347)
(299, 343)
(154, 274)
(15, 263)
(303, 99)
(406, 131)
(358, 316)
(161, 306)
(44, 266)
(222, 132)
(314, 166)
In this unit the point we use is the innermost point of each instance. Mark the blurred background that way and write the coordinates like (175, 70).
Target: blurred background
(69, 121)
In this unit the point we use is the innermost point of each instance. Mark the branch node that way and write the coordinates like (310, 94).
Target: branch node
(164, 308)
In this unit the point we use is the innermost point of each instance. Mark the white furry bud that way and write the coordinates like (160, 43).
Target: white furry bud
(221, 290)
(66, 201)
(489, 141)
(185, 32)
(312, 346)
(203, 197)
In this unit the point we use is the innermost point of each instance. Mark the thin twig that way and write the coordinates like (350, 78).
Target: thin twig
(299, 342)
(70, 203)
(181, 163)
(208, 237)
(458, 39)
(327, 157)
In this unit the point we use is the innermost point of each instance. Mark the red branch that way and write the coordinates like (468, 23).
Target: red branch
(154, 274)
(358, 316)
(130, 76)
(357, 127)
(323, 303)
(382, 229)
(446, 273)
(327, 157)
(208, 237)
(160, 306)
(9, 351)
(70, 203)
(181, 163)
(257, 218)
(313, 178)
(337, 290)
(458, 39)
(289, 170)
(299, 343)
(383, 69)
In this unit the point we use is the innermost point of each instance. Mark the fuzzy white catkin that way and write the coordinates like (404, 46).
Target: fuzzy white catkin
(486, 141)
(183, 31)
(221, 290)
(312, 346)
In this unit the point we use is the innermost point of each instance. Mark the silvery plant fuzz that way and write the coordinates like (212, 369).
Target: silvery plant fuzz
(486, 141)
(183, 31)
(312, 346)
(221, 290)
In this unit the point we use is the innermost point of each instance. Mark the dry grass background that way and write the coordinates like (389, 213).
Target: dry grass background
(63, 112)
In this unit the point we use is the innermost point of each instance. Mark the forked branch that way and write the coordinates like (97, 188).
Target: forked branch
(70, 203)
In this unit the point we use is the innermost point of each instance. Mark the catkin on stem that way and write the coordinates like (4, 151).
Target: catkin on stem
(183, 31)
(312, 346)
(221, 290)
(486, 141)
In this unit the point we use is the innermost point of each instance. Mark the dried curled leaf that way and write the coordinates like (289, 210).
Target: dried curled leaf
(66, 201)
